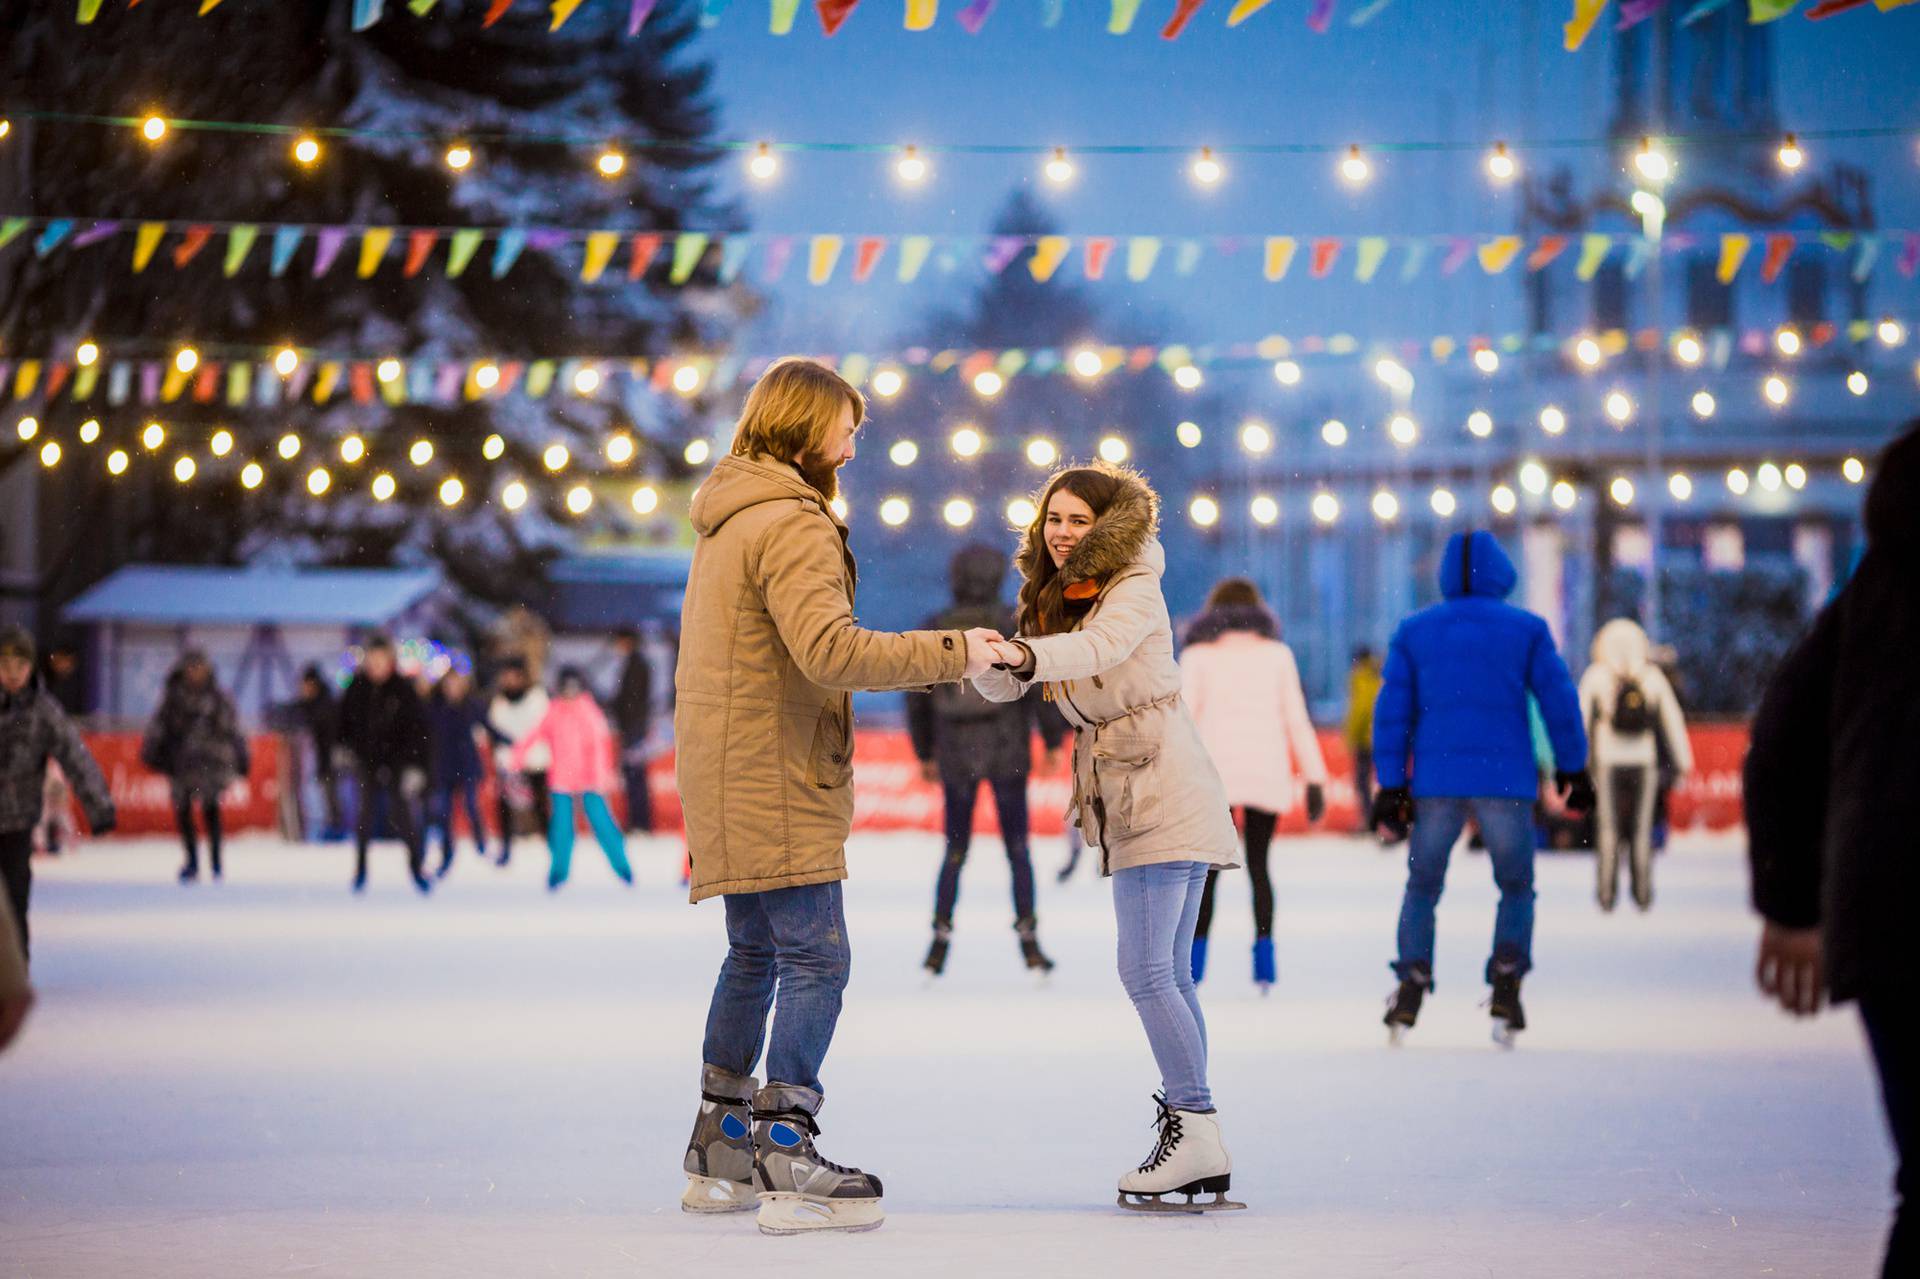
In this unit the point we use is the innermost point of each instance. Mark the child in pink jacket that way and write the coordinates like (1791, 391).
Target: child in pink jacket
(576, 733)
(1242, 687)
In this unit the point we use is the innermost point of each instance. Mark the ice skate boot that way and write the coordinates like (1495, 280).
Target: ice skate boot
(1198, 960)
(1403, 1005)
(1265, 972)
(719, 1159)
(936, 961)
(1036, 959)
(799, 1191)
(1188, 1159)
(1508, 1017)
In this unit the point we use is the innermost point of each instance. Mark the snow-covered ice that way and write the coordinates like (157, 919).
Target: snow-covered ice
(274, 1077)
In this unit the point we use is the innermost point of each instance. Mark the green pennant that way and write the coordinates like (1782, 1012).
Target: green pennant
(460, 250)
(239, 244)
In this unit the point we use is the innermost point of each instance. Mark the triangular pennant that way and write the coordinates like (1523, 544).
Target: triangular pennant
(1733, 251)
(286, 239)
(779, 253)
(974, 16)
(366, 13)
(600, 250)
(1415, 258)
(239, 383)
(1244, 9)
(1759, 11)
(239, 243)
(191, 243)
(644, 247)
(1546, 250)
(51, 234)
(145, 241)
(780, 16)
(10, 227)
(1280, 251)
(1634, 12)
(1704, 9)
(96, 233)
(57, 378)
(913, 256)
(733, 257)
(688, 248)
(1585, 14)
(1367, 12)
(1838, 241)
(1182, 14)
(823, 251)
(507, 249)
(1909, 258)
(637, 14)
(1099, 249)
(1141, 252)
(921, 13)
(89, 10)
(867, 256)
(496, 11)
(461, 247)
(208, 6)
(560, 11)
(833, 13)
(1779, 249)
(421, 8)
(1498, 253)
(1459, 249)
(1594, 247)
(1325, 251)
(1120, 20)
(327, 245)
(1864, 260)
(1187, 257)
(710, 11)
(373, 247)
(1369, 252)
(26, 378)
(1051, 11)
(1638, 256)
(419, 248)
(83, 382)
(1320, 16)
(1001, 251)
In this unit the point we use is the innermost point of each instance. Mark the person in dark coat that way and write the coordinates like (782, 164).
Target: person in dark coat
(1832, 791)
(1452, 739)
(195, 739)
(383, 736)
(33, 730)
(632, 709)
(962, 739)
(320, 718)
(456, 719)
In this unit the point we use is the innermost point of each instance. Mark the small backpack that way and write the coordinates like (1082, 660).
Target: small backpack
(1632, 712)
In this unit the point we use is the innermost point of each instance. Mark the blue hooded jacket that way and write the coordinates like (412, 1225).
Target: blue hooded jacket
(1453, 697)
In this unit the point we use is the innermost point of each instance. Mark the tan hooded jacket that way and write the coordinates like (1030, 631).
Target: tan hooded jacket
(1144, 788)
(763, 726)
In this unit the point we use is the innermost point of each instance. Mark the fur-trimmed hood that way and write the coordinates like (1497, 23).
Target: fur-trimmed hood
(1125, 533)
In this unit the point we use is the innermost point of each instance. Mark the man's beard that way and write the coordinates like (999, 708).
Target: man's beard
(822, 475)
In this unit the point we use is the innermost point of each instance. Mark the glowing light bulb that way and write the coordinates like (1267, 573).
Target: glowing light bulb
(186, 359)
(1552, 420)
(1738, 482)
(90, 430)
(1533, 478)
(1189, 434)
(353, 449)
(1403, 430)
(1087, 362)
(285, 361)
(763, 165)
(1795, 475)
(1564, 495)
(459, 156)
(388, 370)
(966, 442)
(1443, 503)
(1621, 490)
(1769, 477)
(421, 453)
(1256, 437)
(1325, 507)
(153, 128)
(1854, 470)
(1354, 169)
(1501, 166)
(1480, 424)
(556, 457)
(117, 462)
(451, 491)
(1680, 485)
(1113, 449)
(183, 470)
(586, 380)
(1393, 374)
(487, 376)
(838, 505)
(911, 167)
(1204, 511)
(1042, 452)
(1206, 168)
(152, 436)
(220, 445)
(1286, 373)
(1059, 169)
(289, 446)
(686, 379)
(646, 500)
(1334, 432)
(1186, 377)
(987, 383)
(86, 354)
(1890, 332)
(620, 449)
(697, 452)
(958, 512)
(579, 499)
(252, 475)
(1704, 404)
(1619, 407)
(28, 427)
(513, 495)
(306, 149)
(1588, 352)
(1487, 360)
(50, 454)
(1787, 339)
(1790, 155)
(888, 383)
(1857, 382)
(492, 447)
(318, 481)
(1264, 509)
(1504, 499)
(1776, 390)
(895, 511)
(384, 486)
(1386, 507)
(1687, 349)
(1652, 161)
(1021, 513)
(903, 452)
(610, 163)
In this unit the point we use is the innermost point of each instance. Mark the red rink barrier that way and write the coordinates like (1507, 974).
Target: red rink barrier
(888, 793)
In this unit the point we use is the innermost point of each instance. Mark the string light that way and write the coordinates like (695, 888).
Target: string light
(1286, 373)
(86, 353)
(1255, 437)
(620, 449)
(888, 383)
(1619, 407)
(966, 442)
(1204, 511)
(6, 127)
(152, 436)
(318, 481)
(183, 470)
(153, 128)
(1487, 360)
(697, 452)
(1504, 499)
(186, 359)
(610, 163)
(388, 370)
(384, 487)
(1059, 169)
(646, 500)
(487, 376)
(1113, 449)
(1552, 420)
(1687, 349)
(838, 505)
(421, 453)
(987, 383)
(1787, 339)
(1087, 362)
(513, 495)
(352, 449)
(1403, 430)
(1652, 161)
(251, 475)
(1703, 404)
(459, 156)
(1206, 168)
(1393, 374)
(28, 427)
(763, 165)
(1769, 477)
(1264, 510)
(90, 430)
(50, 454)
(1776, 390)
(1021, 512)
(1443, 503)
(1853, 470)
(289, 446)
(958, 512)
(1737, 482)
(1533, 478)
(910, 167)
(1354, 168)
(1386, 507)
(1564, 495)
(1790, 155)
(1325, 507)
(1334, 432)
(117, 462)
(1189, 434)
(895, 511)
(451, 491)
(285, 361)
(1042, 452)
(1857, 382)
(1621, 490)
(1680, 485)
(1588, 352)
(492, 447)
(1480, 424)
(220, 445)
(555, 458)
(579, 499)
(1796, 475)
(1890, 332)
(1187, 377)
(306, 149)
(903, 452)
(1501, 166)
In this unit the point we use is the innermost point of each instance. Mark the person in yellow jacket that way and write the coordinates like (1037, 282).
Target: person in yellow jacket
(1363, 687)
(763, 744)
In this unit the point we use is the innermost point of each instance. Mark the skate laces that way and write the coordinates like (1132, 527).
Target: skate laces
(801, 1119)
(1168, 1121)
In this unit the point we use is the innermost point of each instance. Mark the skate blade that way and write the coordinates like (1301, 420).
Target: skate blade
(786, 1213)
(1503, 1034)
(1396, 1034)
(1188, 1207)
(716, 1194)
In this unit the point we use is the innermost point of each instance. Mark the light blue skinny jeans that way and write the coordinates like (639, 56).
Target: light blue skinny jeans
(1156, 908)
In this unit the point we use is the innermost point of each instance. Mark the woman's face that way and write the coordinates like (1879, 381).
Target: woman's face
(1068, 519)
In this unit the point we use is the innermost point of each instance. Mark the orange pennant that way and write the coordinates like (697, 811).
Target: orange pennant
(194, 241)
(419, 248)
(1099, 249)
(1779, 249)
(1325, 251)
(867, 256)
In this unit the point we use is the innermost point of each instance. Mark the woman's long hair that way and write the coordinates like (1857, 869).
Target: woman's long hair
(1043, 608)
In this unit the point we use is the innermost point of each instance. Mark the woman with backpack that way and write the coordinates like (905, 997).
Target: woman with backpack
(1631, 714)
(195, 740)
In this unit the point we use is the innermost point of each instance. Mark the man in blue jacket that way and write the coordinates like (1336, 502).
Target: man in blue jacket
(1452, 711)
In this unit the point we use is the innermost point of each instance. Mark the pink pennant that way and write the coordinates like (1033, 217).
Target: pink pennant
(1634, 12)
(867, 256)
(326, 248)
(1182, 15)
(1325, 251)
(1459, 249)
(1910, 255)
(974, 16)
(779, 253)
(1099, 249)
(1320, 17)
(637, 15)
(833, 13)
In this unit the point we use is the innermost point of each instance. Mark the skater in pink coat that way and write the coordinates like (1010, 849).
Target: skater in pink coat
(576, 732)
(1242, 687)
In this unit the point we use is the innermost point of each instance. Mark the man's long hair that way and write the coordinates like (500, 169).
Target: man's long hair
(790, 412)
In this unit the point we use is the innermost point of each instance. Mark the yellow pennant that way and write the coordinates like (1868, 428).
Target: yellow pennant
(822, 253)
(1048, 254)
(373, 247)
(1244, 9)
(1733, 251)
(176, 383)
(920, 14)
(1585, 14)
(26, 378)
(600, 249)
(145, 241)
(1280, 255)
(208, 6)
(1497, 254)
(562, 10)
(1121, 20)
(325, 381)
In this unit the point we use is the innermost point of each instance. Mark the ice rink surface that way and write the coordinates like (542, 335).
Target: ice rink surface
(272, 1077)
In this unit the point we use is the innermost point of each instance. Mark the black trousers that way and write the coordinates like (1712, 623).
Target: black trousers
(1010, 805)
(542, 810)
(1258, 834)
(1893, 1031)
(639, 797)
(16, 867)
(382, 791)
(183, 818)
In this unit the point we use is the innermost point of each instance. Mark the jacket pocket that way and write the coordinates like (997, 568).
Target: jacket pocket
(830, 762)
(1126, 778)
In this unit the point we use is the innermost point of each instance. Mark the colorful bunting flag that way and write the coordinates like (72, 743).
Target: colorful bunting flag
(1459, 248)
(1869, 251)
(710, 11)
(1779, 249)
(643, 248)
(1704, 9)
(145, 241)
(921, 13)
(327, 246)
(285, 240)
(1048, 253)
(461, 247)
(1141, 252)
(1910, 255)
(1549, 248)
(1634, 12)
(10, 227)
(1182, 14)
(1320, 16)
(1001, 251)
(780, 16)
(560, 11)
(913, 255)
(1051, 12)
(600, 249)
(733, 257)
(373, 247)
(833, 13)
(1120, 20)
(779, 253)
(637, 14)
(99, 231)
(974, 16)
(1585, 14)
(1099, 249)
(419, 249)
(367, 12)
(1759, 11)
(507, 249)
(239, 243)
(89, 10)
(496, 11)
(1369, 252)
(823, 252)
(1187, 257)
(1325, 251)
(51, 234)
(1497, 254)
(867, 256)
(191, 243)
(1594, 247)
(1416, 257)
(688, 248)
(1733, 251)
(1244, 9)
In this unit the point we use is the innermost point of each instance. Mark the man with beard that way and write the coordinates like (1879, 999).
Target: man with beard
(763, 735)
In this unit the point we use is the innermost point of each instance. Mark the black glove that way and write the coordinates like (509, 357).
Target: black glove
(102, 823)
(1392, 813)
(1316, 802)
(1576, 791)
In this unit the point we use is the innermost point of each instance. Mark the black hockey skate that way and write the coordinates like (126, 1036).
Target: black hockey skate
(1030, 951)
(936, 961)
(1403, 1005)
(1509, 1018)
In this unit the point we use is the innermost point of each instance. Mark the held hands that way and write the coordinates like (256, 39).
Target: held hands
(1789, 968)
(984, 646)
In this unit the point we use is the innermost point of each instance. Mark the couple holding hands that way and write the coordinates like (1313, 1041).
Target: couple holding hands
(770, 656)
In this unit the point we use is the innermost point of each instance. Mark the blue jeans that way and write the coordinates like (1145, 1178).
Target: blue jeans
(1010, 806)
(1507, 827)
(440, 815)
(1156, 908)
(605, 829)
(795, 940)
